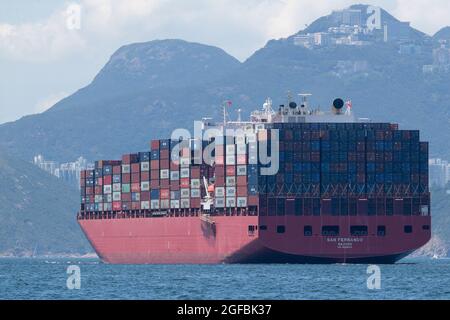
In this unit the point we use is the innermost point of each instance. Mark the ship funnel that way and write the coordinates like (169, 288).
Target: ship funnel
(338, 104)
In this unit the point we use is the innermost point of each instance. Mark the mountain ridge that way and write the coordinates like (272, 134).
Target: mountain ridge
(130, 99)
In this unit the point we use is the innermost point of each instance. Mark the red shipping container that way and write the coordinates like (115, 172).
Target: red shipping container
(253, 201)
(117, 205)
(241, 159)
(117, 169)
(195, 202)
(135, 178)
(83, 174)
(184, 182)
(89, 190)
(107, 179)
(174, 187)
(154, 174)
(174, 166)
(164, 193)
(145, 196)
(126, 159)
(135, 187)
(145, 176)
(164, 164)
(99, 181)
(82, 182)
(126, 197)
(154, 145)
(136, 205)
(219, 171)
(241, 181)
(219, 150)
(241, 191)
(219, 160)
(135, 168)
(154, 184)
(126, 178)
(230, 171)
(165, 183)
(220, 181)
(195, 172)
(98, 190)
(164, 154)
(154, 164)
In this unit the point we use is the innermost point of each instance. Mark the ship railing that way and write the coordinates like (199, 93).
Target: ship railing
(149, 213)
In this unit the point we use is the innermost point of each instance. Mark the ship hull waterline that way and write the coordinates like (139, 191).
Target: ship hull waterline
(230, 239)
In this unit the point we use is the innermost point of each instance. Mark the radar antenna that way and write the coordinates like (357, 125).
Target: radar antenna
(304, 102)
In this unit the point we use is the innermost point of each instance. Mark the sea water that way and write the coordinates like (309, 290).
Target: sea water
(45, 278)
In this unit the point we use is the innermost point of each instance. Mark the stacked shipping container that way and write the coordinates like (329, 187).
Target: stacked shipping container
(347, 169)
(324, 168)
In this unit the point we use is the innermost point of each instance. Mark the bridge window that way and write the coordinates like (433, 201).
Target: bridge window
(281, 229)
(263, 227)
(425, 227)
(407, 229)
(381, 231)
(330, 230)
(358, 230)
(307, 231)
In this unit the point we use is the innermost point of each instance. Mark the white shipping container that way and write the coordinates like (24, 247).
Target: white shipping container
(185, 161)
(100, 207)
(185, 203)
(184, 173)
(195, 193)
(241, 170)
(108, 198)
(231, 192)
(175, 204)
(98, 198)
(117, 196)
(219, 192)
(107, 189)
(195, 183)
(145, 186)
(117, 187)
(241, 202)
(231, 202)
(126, 168)
(220, 202)
(107, 206)
(231, 149)
(174, 175)
(251, 137)
(184, 192)
(145, 205)
(230, 160)
(165, 204)
(164, 173)
(241, 149)
(230, 181)
(145, 166)
(240, 139)
(154, 204)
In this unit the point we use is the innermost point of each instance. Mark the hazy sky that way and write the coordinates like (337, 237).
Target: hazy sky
(44, 56)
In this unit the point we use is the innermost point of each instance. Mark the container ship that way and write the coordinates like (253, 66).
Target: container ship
(293, 185)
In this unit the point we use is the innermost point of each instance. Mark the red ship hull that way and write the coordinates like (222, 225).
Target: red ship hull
(230, 239)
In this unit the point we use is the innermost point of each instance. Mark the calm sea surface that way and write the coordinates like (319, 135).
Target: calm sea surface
(47, 279)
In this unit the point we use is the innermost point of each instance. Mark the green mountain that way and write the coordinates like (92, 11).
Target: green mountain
(37, 212)
(148, 89)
